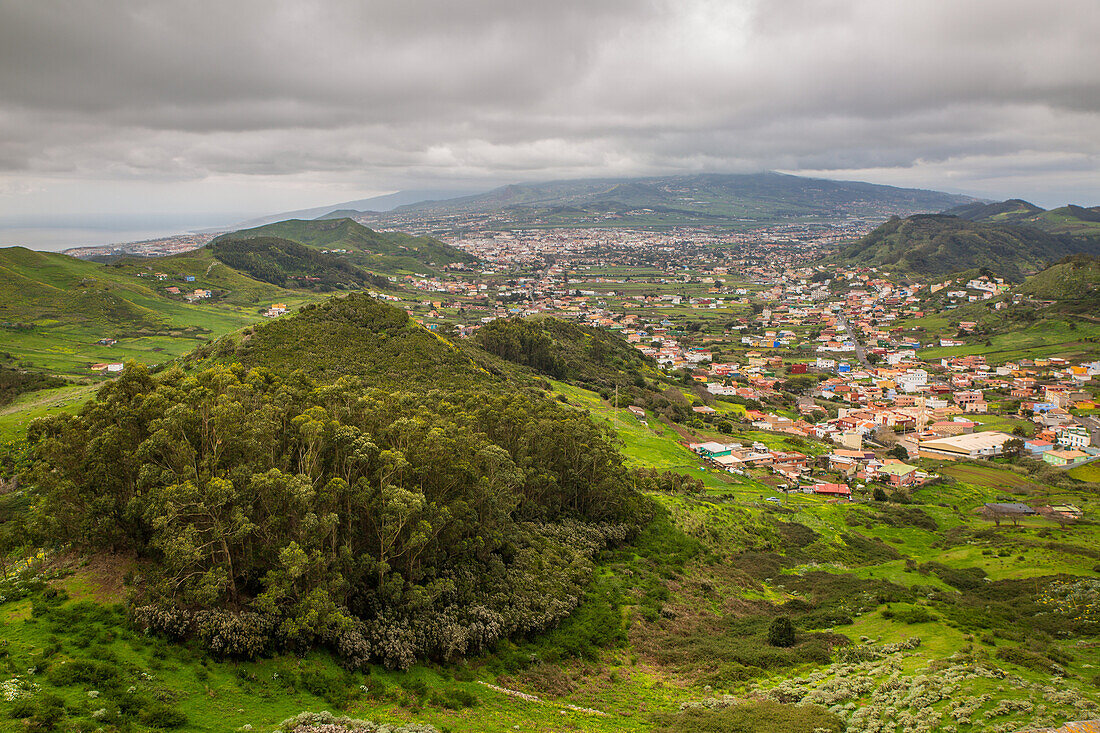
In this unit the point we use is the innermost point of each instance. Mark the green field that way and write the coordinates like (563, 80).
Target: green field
(54, 309)
(16, 417)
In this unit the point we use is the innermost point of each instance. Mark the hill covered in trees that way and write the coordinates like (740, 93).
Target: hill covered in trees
(341, 478)
(362, 337)
(567, 351)
(289, 264)
(281, 513)
(941, 244)
(389, 253)
(1070, 220)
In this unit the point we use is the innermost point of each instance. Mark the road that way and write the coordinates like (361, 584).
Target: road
(861, 354)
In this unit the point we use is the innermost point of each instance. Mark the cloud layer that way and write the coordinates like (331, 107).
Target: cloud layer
(997, 97)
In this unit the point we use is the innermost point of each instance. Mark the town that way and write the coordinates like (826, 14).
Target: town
(848, 356)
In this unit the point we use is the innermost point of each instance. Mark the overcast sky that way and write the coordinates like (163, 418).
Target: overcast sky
(243, 106)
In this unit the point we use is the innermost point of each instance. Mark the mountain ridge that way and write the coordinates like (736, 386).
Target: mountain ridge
(1071, 219)
(388, 253)
(755, 196)
(936, 244)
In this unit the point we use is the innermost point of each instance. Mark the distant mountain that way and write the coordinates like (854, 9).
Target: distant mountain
(940, 244)
(705, 198)
(386, 202)
(390, 253)
(1077, 221)
(339, 214)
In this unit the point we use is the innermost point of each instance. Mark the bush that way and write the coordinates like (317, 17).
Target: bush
(1029, 660)
(100, 675)
(781, 632)
(915, 615)
(42, 713)
(749, 717)
(163, 717)
(330, 688)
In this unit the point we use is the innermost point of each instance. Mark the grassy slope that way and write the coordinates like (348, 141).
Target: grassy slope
(1053, 334)
(384, 252)
(71, 304)
(1073, 280)
(928, 245)
(210, 274)
(17, 416)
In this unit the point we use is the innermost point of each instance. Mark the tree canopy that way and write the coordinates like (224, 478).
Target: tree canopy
(282, 512)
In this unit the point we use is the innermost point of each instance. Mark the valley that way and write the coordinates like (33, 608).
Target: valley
(551, 479)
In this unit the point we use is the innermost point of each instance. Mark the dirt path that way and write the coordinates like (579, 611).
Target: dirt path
(536, 699)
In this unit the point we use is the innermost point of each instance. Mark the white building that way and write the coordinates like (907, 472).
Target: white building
(912, 380)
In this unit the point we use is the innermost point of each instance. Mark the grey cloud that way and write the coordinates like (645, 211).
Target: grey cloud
(401, 93)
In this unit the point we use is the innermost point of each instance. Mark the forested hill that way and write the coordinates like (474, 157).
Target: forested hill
(1071, 220)
(343, 478)
(390, 253)
(291, 265)
(1074, 280)
(568, 351)
(940, 244)
(366, 338)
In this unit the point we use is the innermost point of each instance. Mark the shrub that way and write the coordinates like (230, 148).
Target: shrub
(749, 717)
(1029, 660)
(781, 632)
(163, 717)
(330, 688)
(915, 615)
(100, 675)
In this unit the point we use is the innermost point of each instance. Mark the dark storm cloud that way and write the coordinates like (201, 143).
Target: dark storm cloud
(398, 93)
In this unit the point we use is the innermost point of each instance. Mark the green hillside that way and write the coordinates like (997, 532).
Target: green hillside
(289, 264)
(55, 309)
(1075, 279)
(40, 287)
(390, 253)
(1073, 220)
(939, 244)
(1012, 210)
(567, 351)
(227, 284)
(360, 336)
(15, 380)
